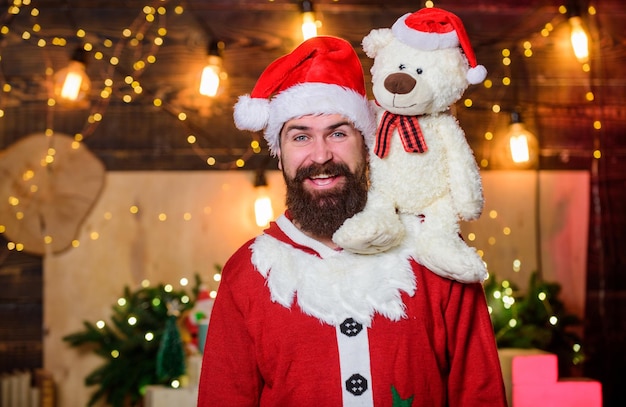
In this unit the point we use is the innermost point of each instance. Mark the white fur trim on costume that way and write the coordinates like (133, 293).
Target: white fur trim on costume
(423, 40)
(477, 74)
(317, 98)
(339, 286)
(251, 113)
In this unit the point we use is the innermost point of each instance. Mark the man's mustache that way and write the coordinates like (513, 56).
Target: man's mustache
(330, 168)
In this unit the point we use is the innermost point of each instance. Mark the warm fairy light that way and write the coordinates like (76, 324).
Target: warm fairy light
(149, 336)
(100, 324)
(121, 301)
(132, 320)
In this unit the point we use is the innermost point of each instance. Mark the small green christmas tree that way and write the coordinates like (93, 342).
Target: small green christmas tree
(536, 319)
(141, 346)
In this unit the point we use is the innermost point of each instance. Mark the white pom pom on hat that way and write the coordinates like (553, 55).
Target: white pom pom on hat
(323, 75)
(434, 28)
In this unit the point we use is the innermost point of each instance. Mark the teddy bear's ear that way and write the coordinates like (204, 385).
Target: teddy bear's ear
(376, 40)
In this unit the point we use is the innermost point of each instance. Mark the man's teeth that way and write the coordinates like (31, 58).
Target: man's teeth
(321, 176)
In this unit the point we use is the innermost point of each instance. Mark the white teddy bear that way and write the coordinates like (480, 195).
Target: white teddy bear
(425, 181)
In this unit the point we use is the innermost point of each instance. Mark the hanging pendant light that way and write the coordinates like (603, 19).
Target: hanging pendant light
(523, 144)
(72, 84)
(578, 34)
(309, 24)
(263, 211)
(212, 72)
(579, 39)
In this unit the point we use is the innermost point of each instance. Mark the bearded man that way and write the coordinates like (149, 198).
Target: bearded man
(299, 322)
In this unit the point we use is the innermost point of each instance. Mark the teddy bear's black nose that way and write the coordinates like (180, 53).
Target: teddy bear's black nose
(400, 83)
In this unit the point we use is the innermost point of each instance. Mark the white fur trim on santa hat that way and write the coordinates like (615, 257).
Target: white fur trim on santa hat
(313, 98)
(423, 40)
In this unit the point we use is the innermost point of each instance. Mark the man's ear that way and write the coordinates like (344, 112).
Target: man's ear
(280, 161)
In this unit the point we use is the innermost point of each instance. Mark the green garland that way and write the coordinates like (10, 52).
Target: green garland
(536, 319)
(141, 346)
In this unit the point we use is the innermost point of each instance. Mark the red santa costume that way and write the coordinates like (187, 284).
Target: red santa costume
(297, 323)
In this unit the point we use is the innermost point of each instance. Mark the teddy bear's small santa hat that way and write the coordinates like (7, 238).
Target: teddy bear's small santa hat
(433, 28)
(323, 75)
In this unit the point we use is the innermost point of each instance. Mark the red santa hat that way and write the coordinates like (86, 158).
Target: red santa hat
(433, 28)
(323, 75)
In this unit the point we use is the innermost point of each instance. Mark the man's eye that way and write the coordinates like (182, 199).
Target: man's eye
(338, 134)
(300, 137)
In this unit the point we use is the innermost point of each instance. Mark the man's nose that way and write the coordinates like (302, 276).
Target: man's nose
(322, 151)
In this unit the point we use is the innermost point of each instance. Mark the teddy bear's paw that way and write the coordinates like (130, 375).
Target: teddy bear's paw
(471, 210)
(369, 236)
(460, 263)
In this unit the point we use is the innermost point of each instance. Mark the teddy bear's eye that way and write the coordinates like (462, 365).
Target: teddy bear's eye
(419, 71)
(402, 67)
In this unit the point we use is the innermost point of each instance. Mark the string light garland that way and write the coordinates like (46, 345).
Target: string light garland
(499, 81)
(121, 77)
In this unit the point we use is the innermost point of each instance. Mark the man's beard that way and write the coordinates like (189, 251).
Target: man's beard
(321, 213)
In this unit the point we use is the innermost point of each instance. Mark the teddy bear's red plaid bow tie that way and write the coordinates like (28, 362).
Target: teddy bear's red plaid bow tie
(409, 130)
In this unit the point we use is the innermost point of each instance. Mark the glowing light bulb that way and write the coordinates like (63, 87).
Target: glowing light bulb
(519, 146)
(212, 72)
(309, 24)
(210, 81)
(263, 211)
(72, 83)
(522, 143)
(579, 39)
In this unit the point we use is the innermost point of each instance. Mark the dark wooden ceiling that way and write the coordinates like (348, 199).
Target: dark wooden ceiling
(548, 88)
